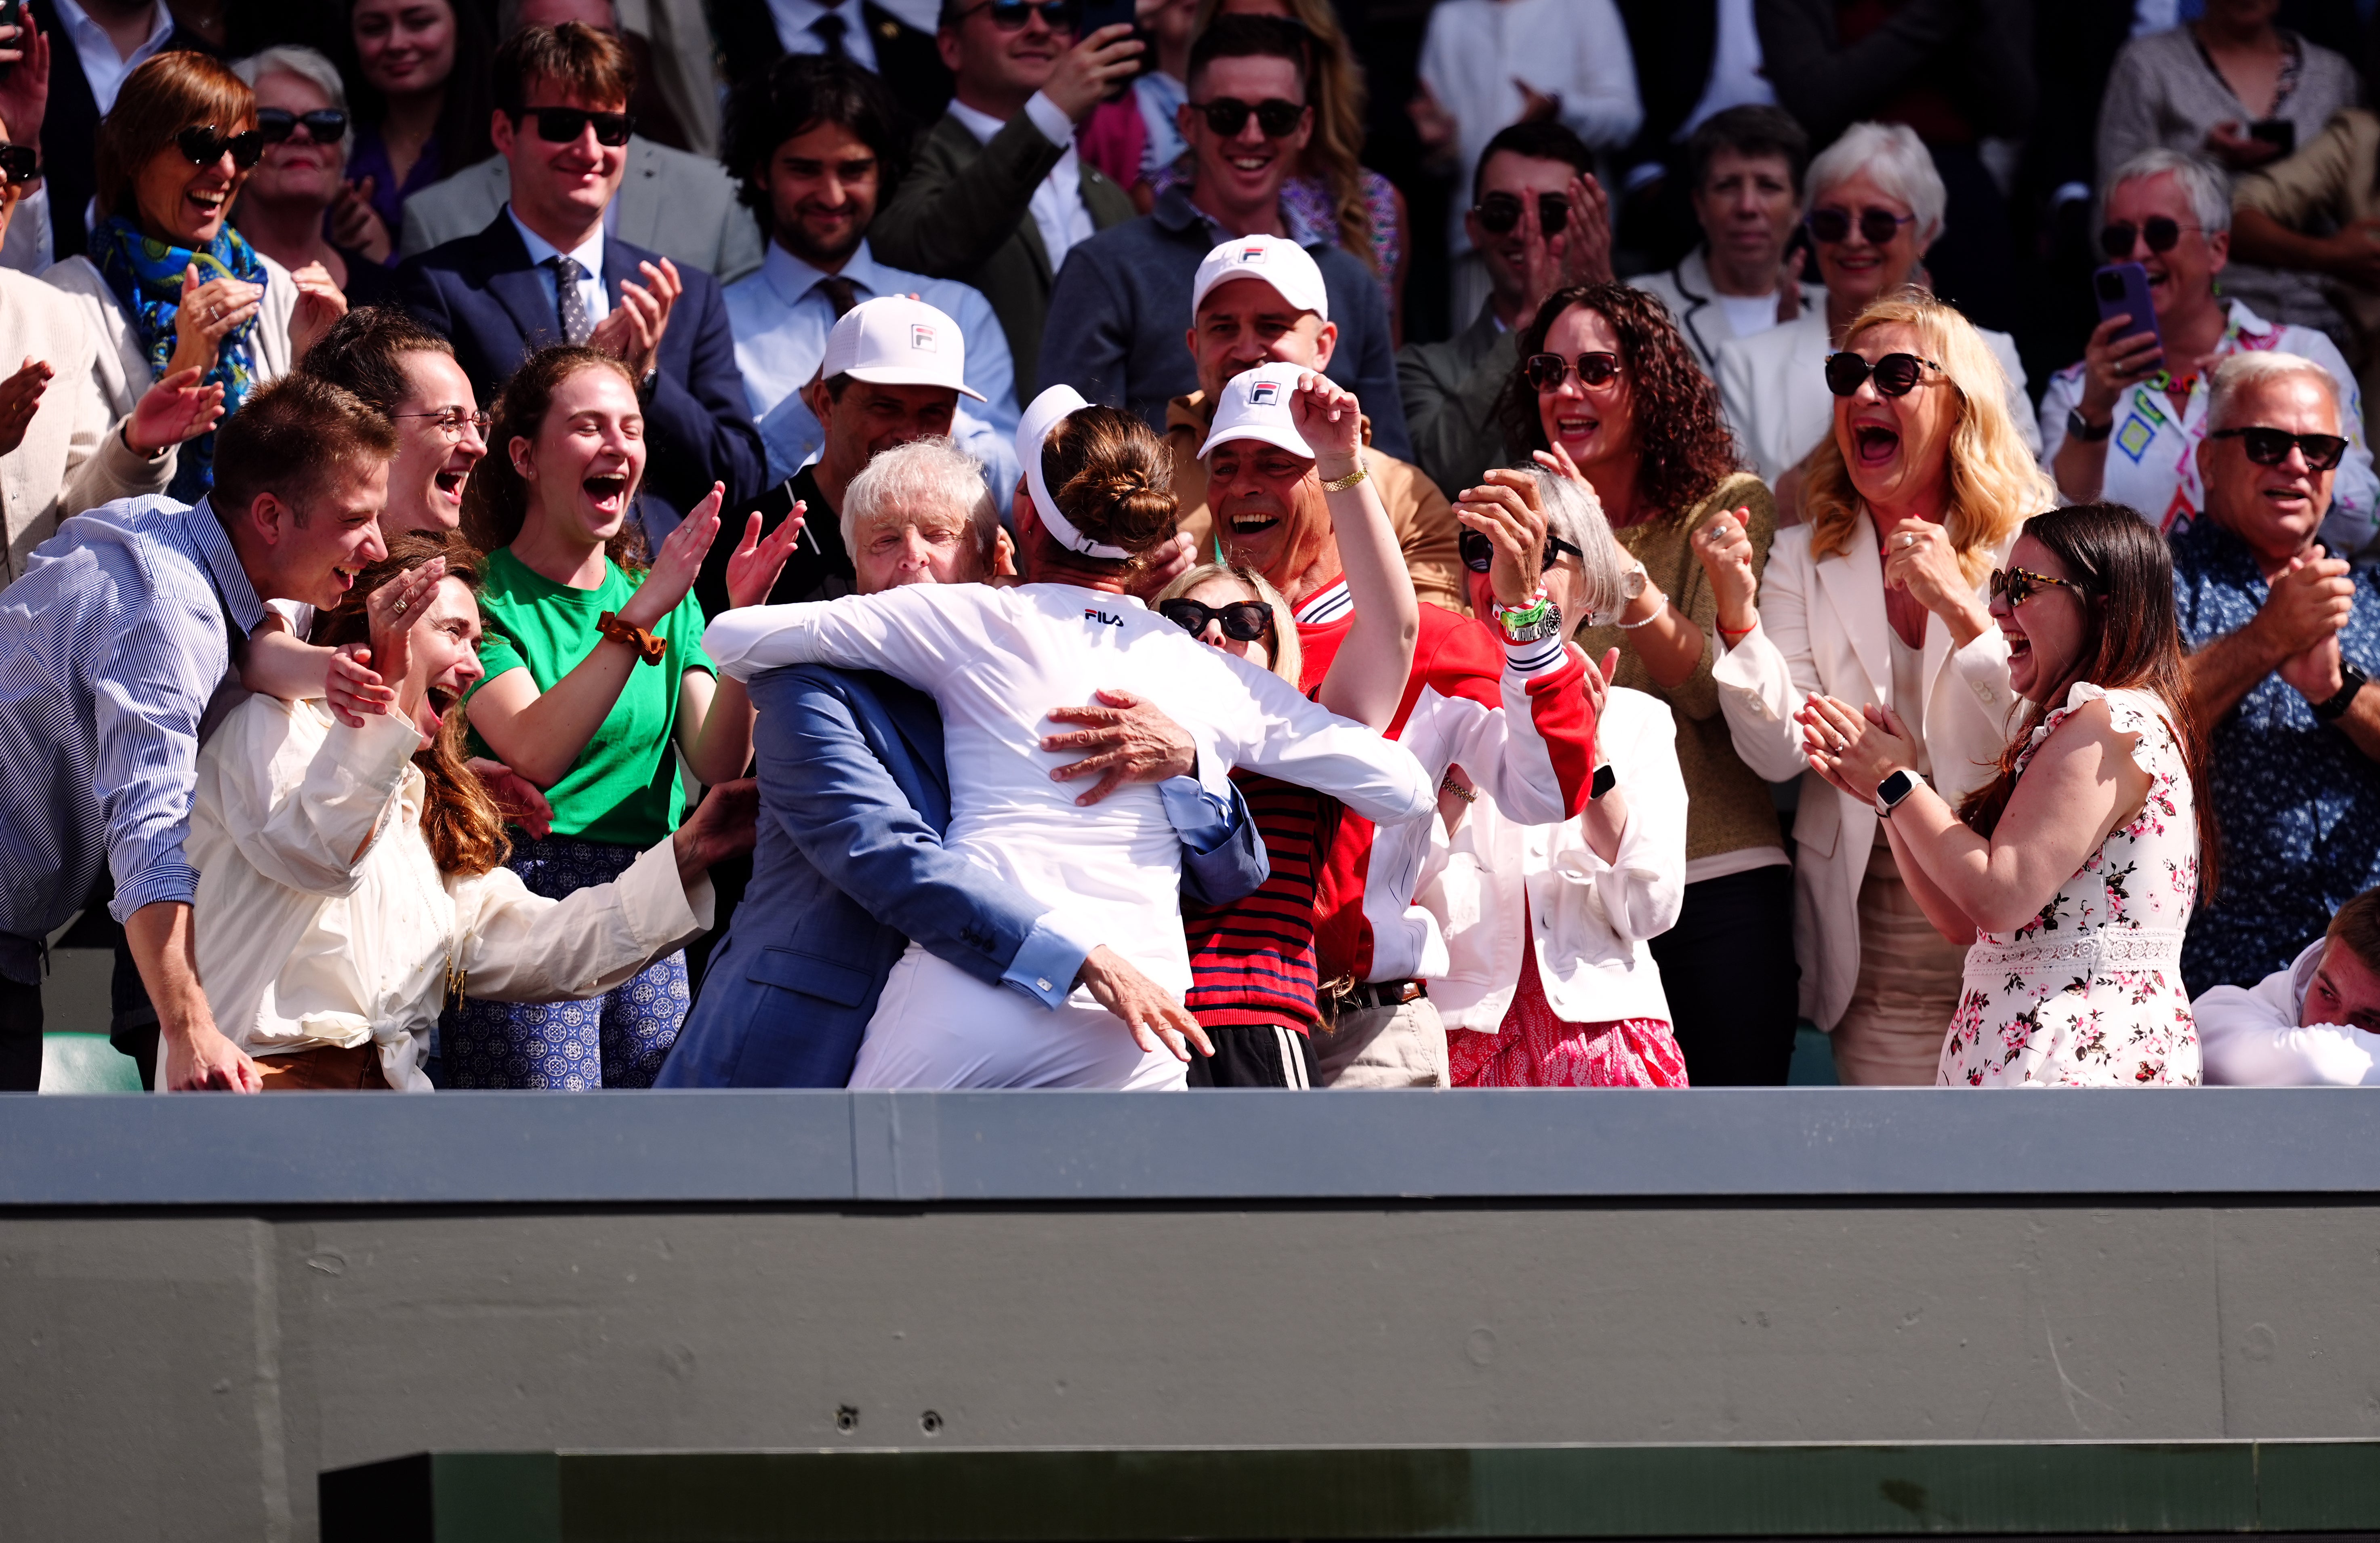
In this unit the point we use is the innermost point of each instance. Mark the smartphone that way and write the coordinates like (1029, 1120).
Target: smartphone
(1108, 13)
(12, 14)
(2122, 290)
(2276, 131)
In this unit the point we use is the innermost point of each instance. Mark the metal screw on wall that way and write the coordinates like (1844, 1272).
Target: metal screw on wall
(846, 1418)
(930, 1423)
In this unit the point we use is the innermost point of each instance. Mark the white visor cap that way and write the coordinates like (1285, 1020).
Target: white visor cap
(893, 340)
(1288, 267)
(1255, 406)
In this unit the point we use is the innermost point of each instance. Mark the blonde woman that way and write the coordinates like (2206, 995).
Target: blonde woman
(1879, 599)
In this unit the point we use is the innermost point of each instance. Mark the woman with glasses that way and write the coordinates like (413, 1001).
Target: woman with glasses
(420, 81)
(296, 206)
(1878, 598)
(1608, 391)
(2124, 424)
(1876, 206)
(2074, 869)
(167, 283)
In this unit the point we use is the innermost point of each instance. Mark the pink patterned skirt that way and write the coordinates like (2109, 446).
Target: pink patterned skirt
(1536, 1048)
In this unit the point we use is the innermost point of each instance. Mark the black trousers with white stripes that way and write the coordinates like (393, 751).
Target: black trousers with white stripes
(1262, 1056)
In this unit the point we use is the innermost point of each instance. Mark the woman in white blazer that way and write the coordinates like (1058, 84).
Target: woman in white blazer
(1879, 599)
(1772, 384)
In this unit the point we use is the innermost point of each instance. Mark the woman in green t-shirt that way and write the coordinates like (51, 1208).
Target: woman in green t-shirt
(596, 684)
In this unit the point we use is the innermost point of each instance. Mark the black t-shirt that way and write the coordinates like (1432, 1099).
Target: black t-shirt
(818, 569)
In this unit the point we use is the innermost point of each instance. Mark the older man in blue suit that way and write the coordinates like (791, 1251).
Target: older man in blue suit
(546, 270)
(850, 866)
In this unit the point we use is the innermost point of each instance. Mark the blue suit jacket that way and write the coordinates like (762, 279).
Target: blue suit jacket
(849, 867)
(482, 294)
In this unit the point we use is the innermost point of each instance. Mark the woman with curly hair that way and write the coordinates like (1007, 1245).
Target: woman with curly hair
(1608, 391)
(1878, 600)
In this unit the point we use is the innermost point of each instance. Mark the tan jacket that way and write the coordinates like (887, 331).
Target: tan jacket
(1423, 518)
(2334, 174)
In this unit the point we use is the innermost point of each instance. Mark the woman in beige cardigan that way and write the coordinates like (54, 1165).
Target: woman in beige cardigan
(1880, 599)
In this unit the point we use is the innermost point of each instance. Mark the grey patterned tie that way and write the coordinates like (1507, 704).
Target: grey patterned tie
(567, 275)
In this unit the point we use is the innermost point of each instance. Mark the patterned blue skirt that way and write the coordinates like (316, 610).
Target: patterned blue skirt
(618, 1040)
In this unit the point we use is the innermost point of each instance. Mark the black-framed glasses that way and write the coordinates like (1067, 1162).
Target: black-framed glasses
(561, 125)
(1015, 16)
(1498, 212)
(1546, 371)
(1247, 620)
(1228, 115)
(1479, 553)
(1895, 375)
(20, 163)
(2116, 238)
(201, 146)
(2271, 446)
(325, 125)
(1876, 226)
(2019, 585)
(451, 422)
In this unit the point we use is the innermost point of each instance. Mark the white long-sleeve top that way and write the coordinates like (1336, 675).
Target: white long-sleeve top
(998, 661)
(2254, 1036)
(322, 918)
(1495, 886)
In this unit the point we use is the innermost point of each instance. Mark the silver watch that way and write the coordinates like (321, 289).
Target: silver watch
(1546, 625)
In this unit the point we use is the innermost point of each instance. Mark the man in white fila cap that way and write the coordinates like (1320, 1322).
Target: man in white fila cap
(1262, 300)
(895, 371)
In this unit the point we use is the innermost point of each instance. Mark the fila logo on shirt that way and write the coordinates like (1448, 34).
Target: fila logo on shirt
(1091, 615)
(921, 338)
(1264, 393)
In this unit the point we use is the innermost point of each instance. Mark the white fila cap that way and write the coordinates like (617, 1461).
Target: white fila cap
(1042, 415)
(893, 340)
(1255, 406)
(1288, 267)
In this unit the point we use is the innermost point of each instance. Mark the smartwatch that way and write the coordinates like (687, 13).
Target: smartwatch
(2078, 427)
(1892, 790)
(1605, 780)
(2331, 710)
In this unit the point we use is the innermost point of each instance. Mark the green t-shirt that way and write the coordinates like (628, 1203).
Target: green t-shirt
(624, 787)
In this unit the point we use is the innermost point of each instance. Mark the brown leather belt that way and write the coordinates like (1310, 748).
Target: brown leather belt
(1364, 994)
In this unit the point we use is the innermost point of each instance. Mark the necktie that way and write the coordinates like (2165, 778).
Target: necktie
(571, 305)
(842, 293)
(829, 28)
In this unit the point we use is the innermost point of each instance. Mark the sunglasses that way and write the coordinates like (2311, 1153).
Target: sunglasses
(1876, 225)
(21, 163)
(325, 126)
(1498, 212)
(1015, 16)
(1546, 371)
(2019, 585)
(2162, 235)
(201, 146)
(1228, 115)
(2271, 446)
(1247, 620)
(561, 125)
(1479, 553)
(1895, 375)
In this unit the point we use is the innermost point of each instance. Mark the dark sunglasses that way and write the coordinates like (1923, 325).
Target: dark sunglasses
(325, 126)
(1479, 553)
(2162, 235)
(20, 162)
(561, 125)
(1015, 16)
(2019, 585)
(2271, 446)
(1498, 212)
(1247, 620)
(1228, 115)
(1896, 375)
(1877, 226)
(201, 146)
(1546, 371)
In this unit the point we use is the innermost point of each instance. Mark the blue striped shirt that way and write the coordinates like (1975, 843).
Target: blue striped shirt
(111, 646)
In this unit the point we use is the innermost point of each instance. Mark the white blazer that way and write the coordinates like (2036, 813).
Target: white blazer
(123, 363)
(1589, 920)
(1772, 386)
(1823, 631)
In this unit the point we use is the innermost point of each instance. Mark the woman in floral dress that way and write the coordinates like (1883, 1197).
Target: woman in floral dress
(2075, 871)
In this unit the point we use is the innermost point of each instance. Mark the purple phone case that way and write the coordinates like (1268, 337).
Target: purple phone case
(2134, 299)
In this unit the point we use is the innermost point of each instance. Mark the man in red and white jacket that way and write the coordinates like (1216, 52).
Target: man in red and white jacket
(1505, 702)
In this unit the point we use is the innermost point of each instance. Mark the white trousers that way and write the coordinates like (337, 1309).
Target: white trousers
(938, 1026)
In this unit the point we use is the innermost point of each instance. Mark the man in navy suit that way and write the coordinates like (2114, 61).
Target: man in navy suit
(855, 795)
(547, 271)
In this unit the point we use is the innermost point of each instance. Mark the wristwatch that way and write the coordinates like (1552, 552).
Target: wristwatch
(2332, 709)
(1605, 781)
(1892, 790)
(1539, 621)
(2078, 427)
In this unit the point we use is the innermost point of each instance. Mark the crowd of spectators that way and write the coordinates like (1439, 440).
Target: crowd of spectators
(1286, 543)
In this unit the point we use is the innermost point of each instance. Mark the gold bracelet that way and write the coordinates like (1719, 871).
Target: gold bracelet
(1344, 483)
(1448, 784)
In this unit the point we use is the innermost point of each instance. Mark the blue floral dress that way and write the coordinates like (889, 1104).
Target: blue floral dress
(2089, 992)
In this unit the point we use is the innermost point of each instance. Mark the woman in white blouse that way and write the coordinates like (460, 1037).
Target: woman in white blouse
(351, 878)
(1097, 501)
(1879, 599)
(1551, 982)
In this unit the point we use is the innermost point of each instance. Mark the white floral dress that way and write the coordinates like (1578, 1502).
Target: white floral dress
(2089, 992)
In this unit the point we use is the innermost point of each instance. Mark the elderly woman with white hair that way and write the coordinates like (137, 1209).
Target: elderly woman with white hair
(1876, 207)
(298, 206)
(1552, 981)
(2146, 393)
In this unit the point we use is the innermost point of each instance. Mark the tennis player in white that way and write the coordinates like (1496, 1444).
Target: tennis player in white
(1097, 496)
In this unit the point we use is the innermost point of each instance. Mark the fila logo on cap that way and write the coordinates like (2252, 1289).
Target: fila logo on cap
(1264, 393)
(921, 337)
(1251, 254)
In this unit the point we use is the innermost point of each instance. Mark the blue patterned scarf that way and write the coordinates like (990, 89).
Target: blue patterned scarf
(146, 276)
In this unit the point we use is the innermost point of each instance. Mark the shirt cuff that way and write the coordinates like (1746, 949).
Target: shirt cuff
(169, 877)
(1050, 118)
(1531, 659)
(1203, 820)
(1047, 961)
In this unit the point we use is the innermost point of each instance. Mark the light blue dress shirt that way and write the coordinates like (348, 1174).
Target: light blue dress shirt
(589, 256)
